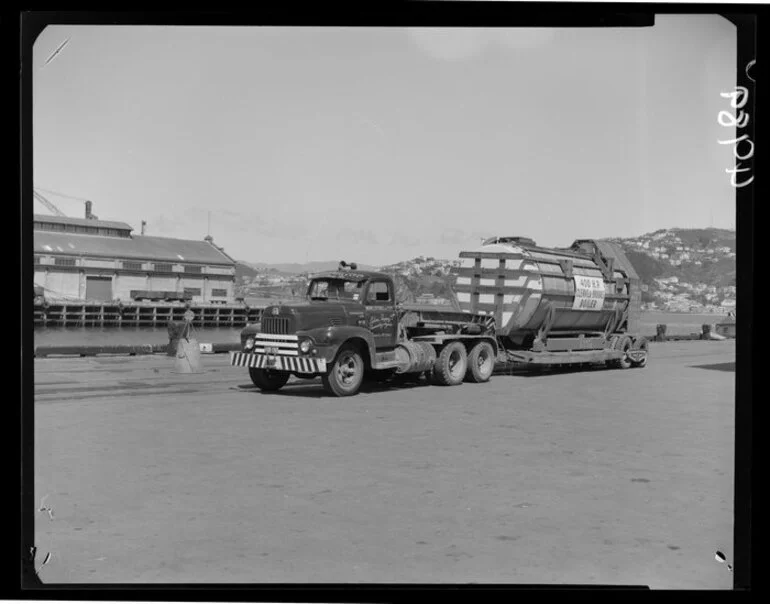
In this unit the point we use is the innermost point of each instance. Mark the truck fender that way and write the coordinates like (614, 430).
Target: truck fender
(332, 338)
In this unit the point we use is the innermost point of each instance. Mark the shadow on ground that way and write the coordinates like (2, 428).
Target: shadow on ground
(546, 370)
(314, 389)
(716, 366)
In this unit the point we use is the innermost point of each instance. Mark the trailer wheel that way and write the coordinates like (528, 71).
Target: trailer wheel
(641, 344)
(346, 374)
(624, 345)
(481, 363)
(269, 380)
(451, 365)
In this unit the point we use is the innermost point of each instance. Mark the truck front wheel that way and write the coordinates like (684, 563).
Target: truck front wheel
(481, 363)
(268, 379)
(451, 365)
(346, 374)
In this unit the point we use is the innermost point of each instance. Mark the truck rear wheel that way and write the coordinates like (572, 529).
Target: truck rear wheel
(346, 374)
(481, 363)
(268, 379)
(451, 365)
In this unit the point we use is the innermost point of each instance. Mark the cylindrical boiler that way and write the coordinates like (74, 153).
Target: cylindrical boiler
(525, 287)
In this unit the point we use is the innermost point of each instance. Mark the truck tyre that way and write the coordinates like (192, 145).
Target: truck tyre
(268, 379)
(451, 365)
(624, 345)
(346, 374)
(481, 363)
(641, 344)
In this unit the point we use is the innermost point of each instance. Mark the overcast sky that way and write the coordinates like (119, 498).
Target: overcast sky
(381, 144)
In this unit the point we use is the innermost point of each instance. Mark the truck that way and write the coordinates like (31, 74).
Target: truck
(518, 305)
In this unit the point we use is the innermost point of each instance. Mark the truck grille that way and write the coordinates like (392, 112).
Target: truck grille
(276, 325)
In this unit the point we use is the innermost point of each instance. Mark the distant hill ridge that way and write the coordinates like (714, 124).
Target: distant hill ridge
(296, 268)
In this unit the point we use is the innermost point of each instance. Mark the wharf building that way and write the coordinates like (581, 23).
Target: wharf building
(100, 261)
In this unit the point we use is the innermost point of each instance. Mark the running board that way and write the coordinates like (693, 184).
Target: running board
(385, 360)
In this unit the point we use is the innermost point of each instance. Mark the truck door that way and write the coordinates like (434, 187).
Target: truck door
(380, 312)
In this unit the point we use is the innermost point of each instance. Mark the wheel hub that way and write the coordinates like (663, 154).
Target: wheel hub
(347, 370)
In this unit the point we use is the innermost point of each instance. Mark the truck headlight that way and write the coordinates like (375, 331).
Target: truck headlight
(249, 344)
(305, 346)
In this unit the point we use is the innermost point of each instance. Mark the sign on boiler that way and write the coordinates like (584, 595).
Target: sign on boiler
(589, 293)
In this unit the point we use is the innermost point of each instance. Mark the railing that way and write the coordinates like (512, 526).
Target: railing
(69, 314)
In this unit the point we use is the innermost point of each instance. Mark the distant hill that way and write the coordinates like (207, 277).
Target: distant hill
(294, 268)
(271, 281)
(685, 269)
(693, 255)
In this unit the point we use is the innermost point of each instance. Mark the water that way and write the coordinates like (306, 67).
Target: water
(127, 336)
(677, 324)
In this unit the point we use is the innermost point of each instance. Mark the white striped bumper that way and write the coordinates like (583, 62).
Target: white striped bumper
(281, 363)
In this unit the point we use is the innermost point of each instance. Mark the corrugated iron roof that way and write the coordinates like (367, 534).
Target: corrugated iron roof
(104, 224)
(138, 247)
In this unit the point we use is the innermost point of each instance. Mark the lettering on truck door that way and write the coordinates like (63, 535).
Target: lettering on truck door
(381, 313)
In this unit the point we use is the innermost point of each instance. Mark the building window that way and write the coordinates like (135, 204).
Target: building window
(162, 267)
(219, 293)
(132, 266)
(37, 259)
(192, 291)
(193, 269)
(64, 261)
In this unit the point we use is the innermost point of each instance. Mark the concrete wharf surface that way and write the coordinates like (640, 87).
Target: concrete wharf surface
(592, 477)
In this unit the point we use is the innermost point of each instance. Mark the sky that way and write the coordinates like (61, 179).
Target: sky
(377, 145)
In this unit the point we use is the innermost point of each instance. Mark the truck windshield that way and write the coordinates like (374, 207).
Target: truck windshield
(338, 289)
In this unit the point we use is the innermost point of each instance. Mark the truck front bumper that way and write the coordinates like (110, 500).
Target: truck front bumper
(278, 362)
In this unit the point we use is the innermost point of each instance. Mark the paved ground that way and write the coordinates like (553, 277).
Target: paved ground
(620, 477)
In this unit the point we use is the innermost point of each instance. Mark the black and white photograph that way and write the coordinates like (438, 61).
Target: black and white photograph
(397, 304)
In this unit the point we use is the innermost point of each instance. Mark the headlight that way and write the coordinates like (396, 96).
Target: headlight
(249, 344)
(305, 346)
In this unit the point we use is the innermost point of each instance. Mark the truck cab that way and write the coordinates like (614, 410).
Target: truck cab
(343, 308)
(366, 298)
